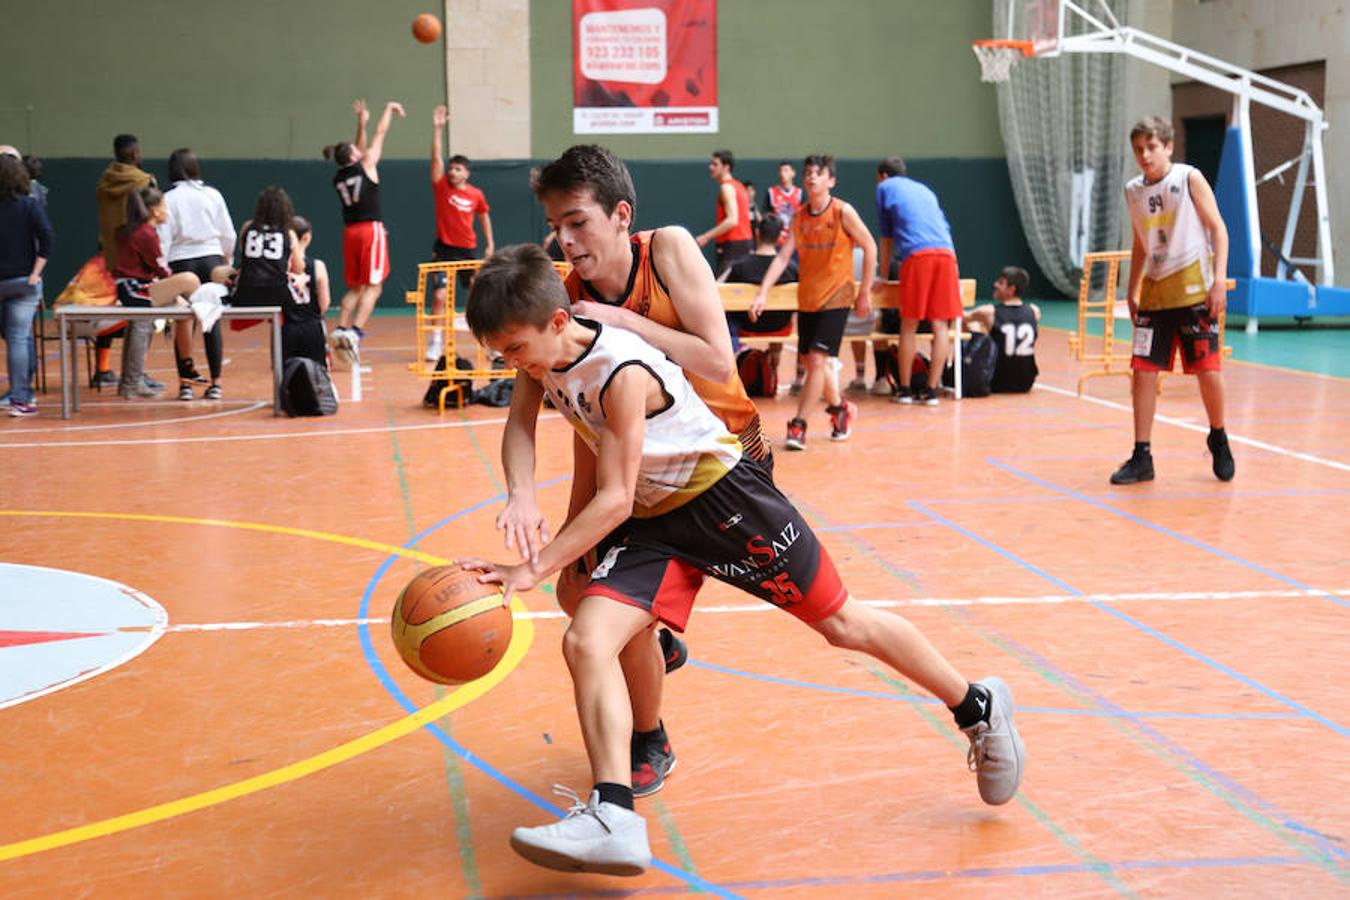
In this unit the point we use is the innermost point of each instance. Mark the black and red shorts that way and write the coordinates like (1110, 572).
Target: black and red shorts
(1158, 334)
(134, 292)
(741, 531)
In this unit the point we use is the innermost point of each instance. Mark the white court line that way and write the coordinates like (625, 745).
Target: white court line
(765, 607)
(1204, 429)
(250, 407)
(265, 436)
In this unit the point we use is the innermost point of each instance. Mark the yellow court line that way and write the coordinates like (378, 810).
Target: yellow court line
(522, 635)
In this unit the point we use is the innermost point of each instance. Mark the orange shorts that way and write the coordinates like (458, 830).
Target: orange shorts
(930, 288)
(365, 253)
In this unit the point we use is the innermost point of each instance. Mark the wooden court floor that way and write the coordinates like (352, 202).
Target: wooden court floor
(201, 699)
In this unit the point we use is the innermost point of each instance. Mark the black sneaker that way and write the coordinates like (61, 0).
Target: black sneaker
(673, 650)
(106, 378)
(653, 760)
(925, 396)
(187, 371)
(1139, 467)
(1224, 467)
(185, 391)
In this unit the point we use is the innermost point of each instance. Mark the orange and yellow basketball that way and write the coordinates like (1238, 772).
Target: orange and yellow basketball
(426, 28)
(448, 627)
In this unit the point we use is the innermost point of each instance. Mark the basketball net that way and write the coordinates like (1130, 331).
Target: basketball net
(997, 58)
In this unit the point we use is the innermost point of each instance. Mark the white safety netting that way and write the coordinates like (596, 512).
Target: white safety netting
(1062, 121)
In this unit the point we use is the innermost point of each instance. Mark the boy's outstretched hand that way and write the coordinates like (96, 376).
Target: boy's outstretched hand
(512, 579)
(526, 528)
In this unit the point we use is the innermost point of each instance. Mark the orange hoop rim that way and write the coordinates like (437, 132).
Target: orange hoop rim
(1026, 48)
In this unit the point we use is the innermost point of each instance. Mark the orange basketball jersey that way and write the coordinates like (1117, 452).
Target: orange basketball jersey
(648, 297)
(824, 258)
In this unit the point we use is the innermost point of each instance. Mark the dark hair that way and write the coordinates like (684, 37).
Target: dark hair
(340, 153)
(1017, 279)
(770, 227)
(274, 208)
(124, 146)
(14, 181)
(1152, 126)
(588, 166)
(184, 166)
(461, 159)
(516, 286)
(34, 167)
(820, 161)
(891, 166)
(139, 204)
(300, 225)
(784, 162)
(726, 158)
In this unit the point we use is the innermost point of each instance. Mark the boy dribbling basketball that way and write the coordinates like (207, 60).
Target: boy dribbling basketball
(676, 489)
(1176, 291)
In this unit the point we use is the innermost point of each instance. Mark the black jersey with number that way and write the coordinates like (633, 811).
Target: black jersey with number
(301, 304)
(359, 195)
(1015, 336)
(264, 257)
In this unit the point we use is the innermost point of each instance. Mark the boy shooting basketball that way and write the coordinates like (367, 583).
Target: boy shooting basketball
(674, 488)
(1176, 291)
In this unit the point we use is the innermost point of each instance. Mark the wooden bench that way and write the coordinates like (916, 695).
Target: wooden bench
(738, 297)
(67, 317)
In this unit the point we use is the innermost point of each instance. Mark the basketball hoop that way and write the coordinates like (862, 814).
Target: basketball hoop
(997, 57)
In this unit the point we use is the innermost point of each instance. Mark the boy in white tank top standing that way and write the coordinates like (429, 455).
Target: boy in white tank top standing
(1176, 292)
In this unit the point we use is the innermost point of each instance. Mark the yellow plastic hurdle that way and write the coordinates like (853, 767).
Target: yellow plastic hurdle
(1109, 307)
(452, 327)
(1106, 309)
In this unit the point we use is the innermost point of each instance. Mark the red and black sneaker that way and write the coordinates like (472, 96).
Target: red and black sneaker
(653, 760)
(841, 420)
(673, 650)
(796, 435)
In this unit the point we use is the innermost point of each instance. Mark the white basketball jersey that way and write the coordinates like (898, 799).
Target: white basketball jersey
(1174, 237)
(685, 448)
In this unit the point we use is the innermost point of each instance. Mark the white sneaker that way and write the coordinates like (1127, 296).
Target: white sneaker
(996, 752)
(435, 349)
(592, 837)
(881, 387)
(346, 345)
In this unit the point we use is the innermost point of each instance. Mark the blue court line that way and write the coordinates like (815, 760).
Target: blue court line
(911, 698)
(388, 683)
(1200, 545)
(920, 875)
(1237, 790)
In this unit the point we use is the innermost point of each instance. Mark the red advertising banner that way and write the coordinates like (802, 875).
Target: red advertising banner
(644, 66)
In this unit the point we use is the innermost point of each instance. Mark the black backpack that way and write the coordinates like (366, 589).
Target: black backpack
(432, 397)
(759, 377)
(979, 357)
(306, 389)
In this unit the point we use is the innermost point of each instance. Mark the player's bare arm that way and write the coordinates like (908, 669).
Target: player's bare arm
(775, 271)
(1208, 210)
(371, 159)
(526, 528)
(362, 117)
(626, 402)
(858, 233)
(1138, 253)
(489, 245)
(440, 117)
(726, 196)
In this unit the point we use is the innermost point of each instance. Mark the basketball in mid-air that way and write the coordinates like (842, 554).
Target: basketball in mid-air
(426, 28)
(448, 627)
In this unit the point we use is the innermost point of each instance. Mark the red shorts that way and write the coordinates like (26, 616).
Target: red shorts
(1159, 334)
(930, 288)
(365, 253)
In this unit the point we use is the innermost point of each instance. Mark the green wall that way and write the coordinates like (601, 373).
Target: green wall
(251, 79)
(857, 78)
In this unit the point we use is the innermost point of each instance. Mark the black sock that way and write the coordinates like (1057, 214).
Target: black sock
(1143, 448)
(359, 333)
(974, 708)
(658, 736)
(618, 794)
(1218, 436)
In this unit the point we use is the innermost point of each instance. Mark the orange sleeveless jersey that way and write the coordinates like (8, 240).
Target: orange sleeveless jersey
(824, 258)
(648, 297)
